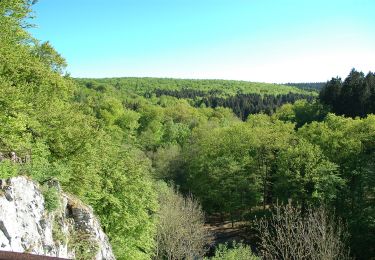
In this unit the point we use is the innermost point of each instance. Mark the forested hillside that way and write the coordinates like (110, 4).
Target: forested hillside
(309, 86)
(244, 98)
(148, 86)
(206, 148)
(46, 134)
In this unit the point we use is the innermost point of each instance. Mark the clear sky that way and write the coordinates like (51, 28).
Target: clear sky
(255, 40)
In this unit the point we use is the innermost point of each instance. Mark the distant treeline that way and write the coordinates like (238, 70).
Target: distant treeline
(242, 104)
(307, 85)
(141, 86)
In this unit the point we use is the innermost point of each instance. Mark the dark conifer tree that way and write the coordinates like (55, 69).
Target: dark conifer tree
(353, 97)
(330, 94)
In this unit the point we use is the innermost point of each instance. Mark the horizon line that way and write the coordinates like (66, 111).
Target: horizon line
(177, 78)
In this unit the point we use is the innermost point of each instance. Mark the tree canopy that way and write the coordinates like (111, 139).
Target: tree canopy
(238, 147)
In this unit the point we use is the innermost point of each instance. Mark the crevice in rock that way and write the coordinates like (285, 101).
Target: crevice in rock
(5, 231)
(8, 196)
(69, 211)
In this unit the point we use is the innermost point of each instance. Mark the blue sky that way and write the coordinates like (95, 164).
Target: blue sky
(255, 40)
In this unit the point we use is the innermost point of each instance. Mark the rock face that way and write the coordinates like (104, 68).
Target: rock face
(70, 230)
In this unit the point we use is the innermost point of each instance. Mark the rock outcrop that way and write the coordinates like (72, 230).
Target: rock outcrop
(68, 230)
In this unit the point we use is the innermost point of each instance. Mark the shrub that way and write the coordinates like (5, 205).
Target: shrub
(290, 233)
(83, 245)
(8, 169)
(58, 235)
(235, 252)
(51, 198)
(180, 228)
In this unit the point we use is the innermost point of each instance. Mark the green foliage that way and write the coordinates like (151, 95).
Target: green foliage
(57, 234)
(51, 198)
(8, 169)
(87, 146)
(305, 175)
(230, 168)
(166, 161)
(47, 54)
(106, 140)
(353, 97)
(349, 144)
(84, 246)
(243, 98)
(234, 252)
(127, 202)
(302, 112)
(148, 86)
(217, 169)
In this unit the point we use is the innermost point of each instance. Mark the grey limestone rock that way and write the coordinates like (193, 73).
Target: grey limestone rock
(27, 227)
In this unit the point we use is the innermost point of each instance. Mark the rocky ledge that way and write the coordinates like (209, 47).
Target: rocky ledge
(43, 220)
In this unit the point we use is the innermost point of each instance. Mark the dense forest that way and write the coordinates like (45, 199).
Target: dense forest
(157, 158)
(311, 86)
(148, 86)
(244, 98)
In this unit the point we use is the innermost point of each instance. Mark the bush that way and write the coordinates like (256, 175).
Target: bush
(51, 198)
(181, 233)
(8, 169)
(236, 252)
(59, 237)
(291, 233)
(84, 246)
